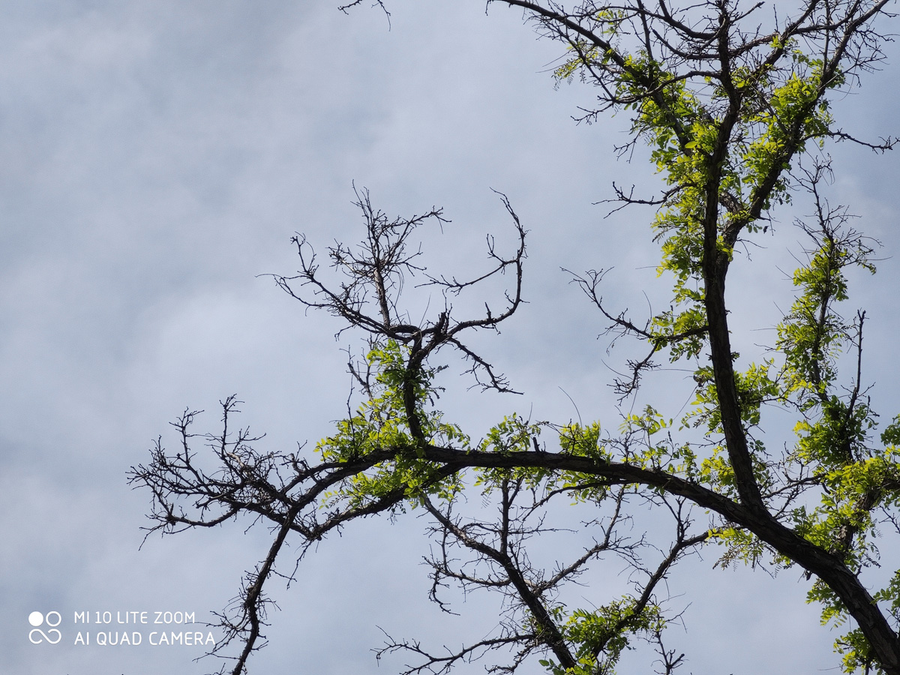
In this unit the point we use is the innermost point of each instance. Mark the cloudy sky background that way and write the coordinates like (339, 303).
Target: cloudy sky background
(157, 158)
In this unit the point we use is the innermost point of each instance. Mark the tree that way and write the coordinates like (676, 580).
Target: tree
(734, 106)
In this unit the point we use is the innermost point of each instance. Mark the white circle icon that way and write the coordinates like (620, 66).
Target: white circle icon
(35, 619)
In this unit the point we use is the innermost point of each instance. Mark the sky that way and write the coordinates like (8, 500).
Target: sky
(158, 157)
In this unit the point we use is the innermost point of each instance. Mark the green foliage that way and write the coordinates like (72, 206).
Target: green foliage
(813, 334)
(603, 634)
(381, 426)
(755, 387)
(583, 441)
(740, 546)
(691, 144)
(513, 434)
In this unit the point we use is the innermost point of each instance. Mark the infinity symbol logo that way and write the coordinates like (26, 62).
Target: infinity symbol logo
(52, 619)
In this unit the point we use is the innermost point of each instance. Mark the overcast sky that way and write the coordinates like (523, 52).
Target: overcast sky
(157, 157)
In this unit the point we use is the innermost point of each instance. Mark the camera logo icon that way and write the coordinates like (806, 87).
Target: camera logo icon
(51, 620)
